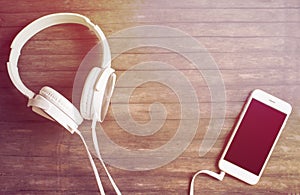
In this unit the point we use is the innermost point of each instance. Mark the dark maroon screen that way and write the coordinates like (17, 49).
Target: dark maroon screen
(255, 137)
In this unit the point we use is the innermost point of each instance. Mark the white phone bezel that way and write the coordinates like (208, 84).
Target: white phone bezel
(266, 99)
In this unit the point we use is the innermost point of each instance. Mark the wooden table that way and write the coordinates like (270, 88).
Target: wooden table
(254, 43)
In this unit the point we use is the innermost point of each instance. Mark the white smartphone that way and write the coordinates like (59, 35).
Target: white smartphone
(254, 136)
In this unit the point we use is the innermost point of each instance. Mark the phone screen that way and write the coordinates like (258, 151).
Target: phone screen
(255, 137)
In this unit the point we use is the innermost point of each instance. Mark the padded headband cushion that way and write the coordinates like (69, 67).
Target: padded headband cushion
(62, 103)
(40, 24)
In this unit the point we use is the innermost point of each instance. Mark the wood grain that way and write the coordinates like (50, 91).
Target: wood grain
(255, 44)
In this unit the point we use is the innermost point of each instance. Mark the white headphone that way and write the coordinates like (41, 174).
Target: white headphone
(96, 93)
(97, 89)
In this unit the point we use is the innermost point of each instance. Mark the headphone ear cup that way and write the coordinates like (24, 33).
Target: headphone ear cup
(88, 93)
(62, 103)
(47, 109)
(96, 93)
(52, 105)
(109, 89)
(38, 106)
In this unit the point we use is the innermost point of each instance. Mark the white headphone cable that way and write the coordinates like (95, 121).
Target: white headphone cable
(97, 176)
(95, 141)
(219, 176)
(100, 186)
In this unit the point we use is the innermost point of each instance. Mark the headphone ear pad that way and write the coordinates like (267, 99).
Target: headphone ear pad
(109, 88)
(88, 93)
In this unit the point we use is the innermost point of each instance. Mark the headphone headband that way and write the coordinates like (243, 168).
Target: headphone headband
(40, 24)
